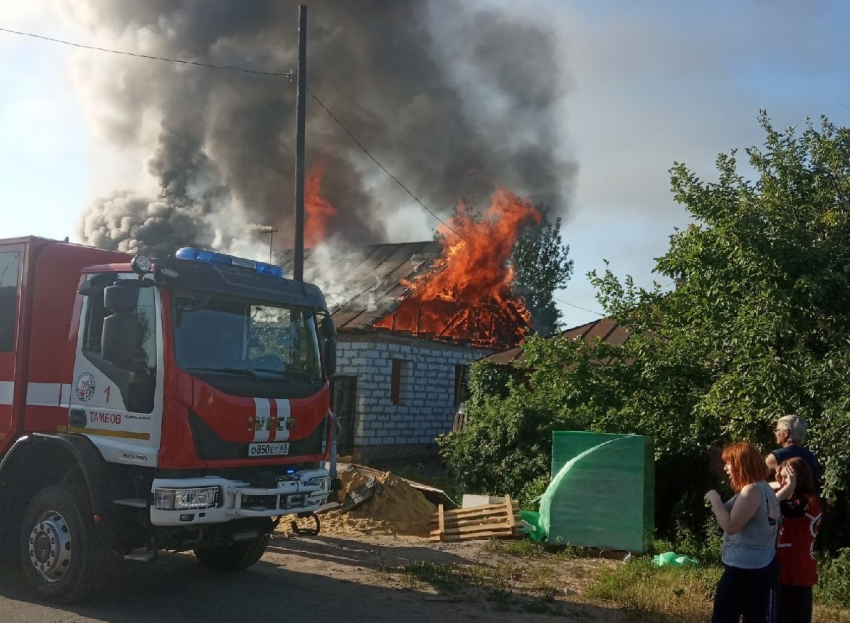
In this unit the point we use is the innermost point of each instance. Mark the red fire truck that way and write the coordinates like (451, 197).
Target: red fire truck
(170, 404)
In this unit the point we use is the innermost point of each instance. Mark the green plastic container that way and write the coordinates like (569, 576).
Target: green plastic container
(602, 492)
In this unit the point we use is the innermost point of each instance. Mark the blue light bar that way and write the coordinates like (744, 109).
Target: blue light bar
(210, 257)
(269, 269)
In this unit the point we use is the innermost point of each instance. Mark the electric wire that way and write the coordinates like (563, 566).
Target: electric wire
(600, 314)
(279, 75)
(287, 74)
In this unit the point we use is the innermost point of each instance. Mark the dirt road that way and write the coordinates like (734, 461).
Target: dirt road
(322, 579)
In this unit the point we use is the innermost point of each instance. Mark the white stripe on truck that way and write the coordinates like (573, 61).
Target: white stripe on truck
(48, 394)
(283, 413)
(7, 390)
(261, 418)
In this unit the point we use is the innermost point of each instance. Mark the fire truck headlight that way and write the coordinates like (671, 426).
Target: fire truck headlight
(185, 499)
(323, 482)
(141, 264)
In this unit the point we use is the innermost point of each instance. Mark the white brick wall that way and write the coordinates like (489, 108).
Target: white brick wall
(427, 387)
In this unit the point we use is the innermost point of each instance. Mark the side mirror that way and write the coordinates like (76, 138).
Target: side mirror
(327, 328)
(122, 296)
(119, 339)
(328, 333)
(329, 352)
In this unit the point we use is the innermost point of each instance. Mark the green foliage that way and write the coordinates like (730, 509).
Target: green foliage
(541, 262)
(758, 326)
(833, 588)
(488, 380)
(505, 445)
(529, 497)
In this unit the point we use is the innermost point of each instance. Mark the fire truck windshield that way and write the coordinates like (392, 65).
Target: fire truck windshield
(217, 338)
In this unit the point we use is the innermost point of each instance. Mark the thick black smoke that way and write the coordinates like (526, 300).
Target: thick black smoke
(450, 99)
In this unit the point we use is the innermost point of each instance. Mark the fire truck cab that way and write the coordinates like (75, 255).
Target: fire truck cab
(171, 404)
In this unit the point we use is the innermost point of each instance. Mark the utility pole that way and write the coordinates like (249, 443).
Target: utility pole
(271, 231)
(298, 264)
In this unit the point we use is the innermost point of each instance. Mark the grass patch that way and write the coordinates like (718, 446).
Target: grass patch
(454, 578)
(686, 593)
(526, 548)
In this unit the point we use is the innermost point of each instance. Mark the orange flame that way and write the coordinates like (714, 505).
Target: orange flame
(476, 252)
(468, 294)
(319, 211)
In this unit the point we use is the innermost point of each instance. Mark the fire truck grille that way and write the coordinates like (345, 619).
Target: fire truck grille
(269, 502)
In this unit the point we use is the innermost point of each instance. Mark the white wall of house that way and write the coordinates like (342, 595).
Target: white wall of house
(426, 395)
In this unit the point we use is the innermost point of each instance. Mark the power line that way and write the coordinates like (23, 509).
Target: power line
(365, 151)
(581, 308)
(247, 71)
(146, 56)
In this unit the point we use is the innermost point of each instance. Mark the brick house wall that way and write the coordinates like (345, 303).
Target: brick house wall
(405, 392)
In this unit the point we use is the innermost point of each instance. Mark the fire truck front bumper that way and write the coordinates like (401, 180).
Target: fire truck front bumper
(210, 500)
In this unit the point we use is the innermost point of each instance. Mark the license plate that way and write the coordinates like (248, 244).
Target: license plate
(267, 449)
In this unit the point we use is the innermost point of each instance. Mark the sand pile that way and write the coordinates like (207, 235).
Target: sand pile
(397, 508)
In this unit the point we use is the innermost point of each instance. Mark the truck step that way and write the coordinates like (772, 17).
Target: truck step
(134, 502)
(141, 555)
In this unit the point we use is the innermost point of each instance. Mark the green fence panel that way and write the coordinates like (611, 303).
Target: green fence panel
(602, 492)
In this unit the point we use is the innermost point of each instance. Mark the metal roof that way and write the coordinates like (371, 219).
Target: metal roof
(363, 284)
(605, 329)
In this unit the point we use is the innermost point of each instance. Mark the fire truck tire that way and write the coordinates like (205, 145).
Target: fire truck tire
(63, 555)
(235, 557)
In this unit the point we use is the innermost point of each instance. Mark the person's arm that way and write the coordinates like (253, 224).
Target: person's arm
(772, 464)
(787, 490)
(745, 507)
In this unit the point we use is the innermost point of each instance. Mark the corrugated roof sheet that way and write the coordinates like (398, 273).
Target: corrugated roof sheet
(606, 329)
(366, 284)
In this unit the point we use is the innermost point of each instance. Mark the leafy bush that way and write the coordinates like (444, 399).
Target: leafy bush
(758, 326)
(833, 588)
(505, 445)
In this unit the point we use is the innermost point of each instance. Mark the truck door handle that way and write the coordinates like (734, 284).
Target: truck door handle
(77, 418)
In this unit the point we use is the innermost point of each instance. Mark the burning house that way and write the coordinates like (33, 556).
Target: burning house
(411, 317)
(428, 87)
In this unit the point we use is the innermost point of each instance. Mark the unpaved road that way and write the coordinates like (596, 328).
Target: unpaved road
(320, 579)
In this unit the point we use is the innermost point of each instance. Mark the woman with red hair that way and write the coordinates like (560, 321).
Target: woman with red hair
(750, 521)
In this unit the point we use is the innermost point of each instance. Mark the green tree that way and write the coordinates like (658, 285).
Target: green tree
(758, 326)
(542, 265)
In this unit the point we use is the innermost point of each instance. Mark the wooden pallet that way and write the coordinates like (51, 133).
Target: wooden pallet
(500, 520)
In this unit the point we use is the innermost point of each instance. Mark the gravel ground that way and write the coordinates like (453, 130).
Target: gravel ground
(325, 578)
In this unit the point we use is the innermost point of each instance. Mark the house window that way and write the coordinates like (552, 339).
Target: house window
(399, 371)
(461, 372)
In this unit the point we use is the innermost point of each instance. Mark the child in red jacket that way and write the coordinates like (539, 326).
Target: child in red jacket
(801, 515)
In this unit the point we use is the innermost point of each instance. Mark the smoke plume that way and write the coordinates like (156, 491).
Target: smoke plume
(450, 98)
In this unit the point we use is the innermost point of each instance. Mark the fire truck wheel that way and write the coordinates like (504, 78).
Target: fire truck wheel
(235, 557)
(62, 555)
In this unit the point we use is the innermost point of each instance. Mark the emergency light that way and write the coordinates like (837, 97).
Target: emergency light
(210, 257)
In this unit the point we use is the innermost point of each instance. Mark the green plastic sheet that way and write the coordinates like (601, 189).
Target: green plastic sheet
(672, 559)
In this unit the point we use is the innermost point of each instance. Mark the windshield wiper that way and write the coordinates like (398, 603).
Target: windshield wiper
(294, 374)
(226, 370)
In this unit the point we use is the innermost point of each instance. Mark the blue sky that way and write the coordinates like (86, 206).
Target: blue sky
(650, 83)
